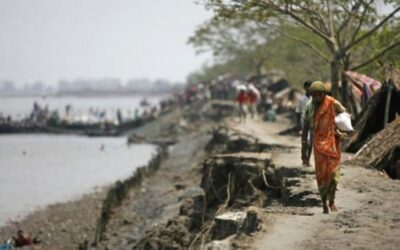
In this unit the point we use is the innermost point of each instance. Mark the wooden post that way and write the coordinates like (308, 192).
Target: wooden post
(388, 99)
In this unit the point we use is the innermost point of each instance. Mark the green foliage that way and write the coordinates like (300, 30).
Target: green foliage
(375, 45)
(229, 39)
(342, 33)
(297, 61)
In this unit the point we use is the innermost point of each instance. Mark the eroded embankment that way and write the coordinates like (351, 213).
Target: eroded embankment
(242, 186)
(117, 194)
(238, 178)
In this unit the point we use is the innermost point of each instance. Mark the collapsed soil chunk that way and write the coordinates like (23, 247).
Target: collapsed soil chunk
(230, 223)
(226, 140)
(236, 179)
(172, 235)
(194, 209)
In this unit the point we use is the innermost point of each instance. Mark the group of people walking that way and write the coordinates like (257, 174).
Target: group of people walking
(247, 98)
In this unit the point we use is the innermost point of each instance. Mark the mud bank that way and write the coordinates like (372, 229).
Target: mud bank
(245, 188)
(159, 198)
(117, 194)
(213, 199)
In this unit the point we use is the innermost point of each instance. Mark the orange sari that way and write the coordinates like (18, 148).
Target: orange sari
(326, 148)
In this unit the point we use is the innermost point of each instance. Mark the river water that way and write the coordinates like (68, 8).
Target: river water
(40, 169)
(20, 107)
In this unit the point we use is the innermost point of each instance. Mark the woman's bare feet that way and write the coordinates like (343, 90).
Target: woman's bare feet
(333, 207)
(326, 208)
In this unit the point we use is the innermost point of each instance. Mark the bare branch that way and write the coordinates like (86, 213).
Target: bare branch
(360, 22)
(379, 54)
(321, 17)
(385, 20)
(315, 15)
(286, 11)
(330, 18)
(350, 14)
(315, 49)
(319, 23)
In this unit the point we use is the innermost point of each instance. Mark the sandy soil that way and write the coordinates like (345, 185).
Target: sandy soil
(368, 217)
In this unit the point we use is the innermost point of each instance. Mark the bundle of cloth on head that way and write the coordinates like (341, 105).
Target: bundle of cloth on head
(241, 87)
(255, 91)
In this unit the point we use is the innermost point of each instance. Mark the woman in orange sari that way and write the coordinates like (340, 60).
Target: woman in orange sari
(320, 119)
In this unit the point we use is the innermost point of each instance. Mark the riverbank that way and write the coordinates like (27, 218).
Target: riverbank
(248, 190)
(230, 185)
(62, 225)
(67, 225)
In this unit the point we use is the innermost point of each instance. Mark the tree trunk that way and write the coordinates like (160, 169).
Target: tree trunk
(258, 71)
(344, 91)
(335, 67)
(259, 66)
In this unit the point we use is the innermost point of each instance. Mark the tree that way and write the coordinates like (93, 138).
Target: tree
(373, 47)
(209, 73)
(234, 40)
(243, 47)
(341, 24)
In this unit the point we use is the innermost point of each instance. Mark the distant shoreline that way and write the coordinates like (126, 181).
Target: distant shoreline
(89, 94)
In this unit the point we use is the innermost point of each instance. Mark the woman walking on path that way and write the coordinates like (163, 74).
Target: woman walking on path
(320, 119)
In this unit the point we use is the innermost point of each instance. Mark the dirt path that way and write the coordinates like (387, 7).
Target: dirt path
(266, 132)
(296, 231)
(368, 203)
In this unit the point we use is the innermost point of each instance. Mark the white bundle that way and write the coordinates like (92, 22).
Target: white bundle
(241, 87)
(253, 89)
(343, 122)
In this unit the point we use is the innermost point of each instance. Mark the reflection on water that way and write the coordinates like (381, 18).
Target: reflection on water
(36, 170)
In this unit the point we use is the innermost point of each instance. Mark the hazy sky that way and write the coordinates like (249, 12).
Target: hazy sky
(46, 40)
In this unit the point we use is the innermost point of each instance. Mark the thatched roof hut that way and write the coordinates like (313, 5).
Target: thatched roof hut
(380, 150)
(372, 118)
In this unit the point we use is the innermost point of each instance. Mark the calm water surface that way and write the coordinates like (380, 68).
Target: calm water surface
(37, 170)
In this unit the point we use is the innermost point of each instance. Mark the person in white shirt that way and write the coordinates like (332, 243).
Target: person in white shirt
(300, 111)
(301, 105)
